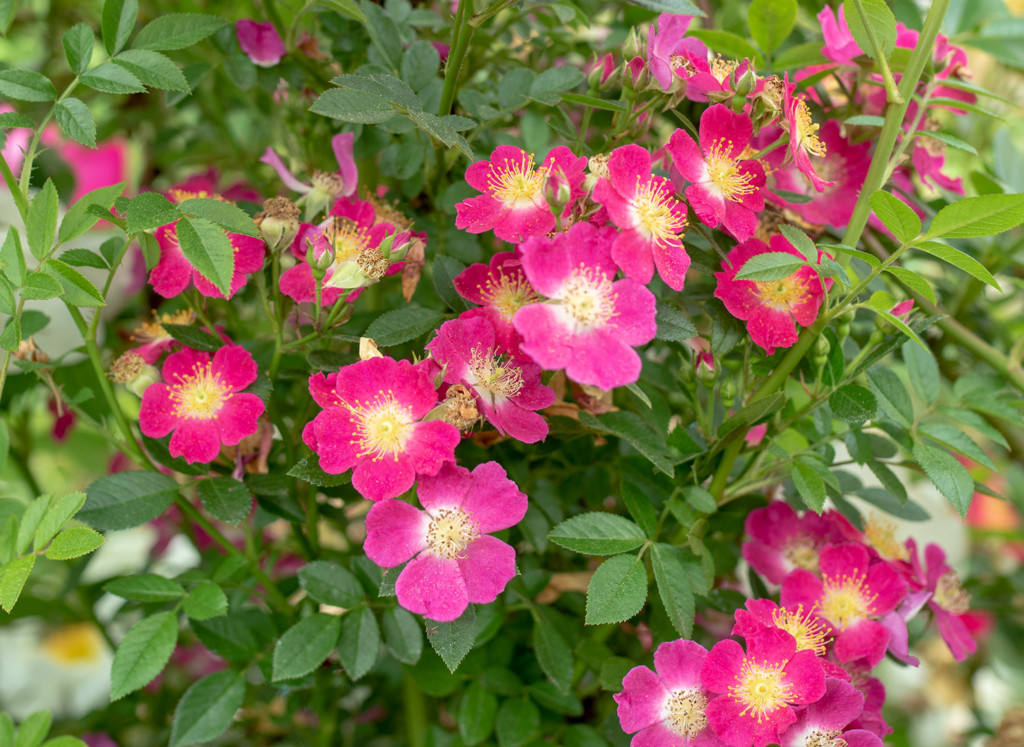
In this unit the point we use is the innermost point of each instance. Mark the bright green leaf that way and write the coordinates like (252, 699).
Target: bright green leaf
(597, 533)
(771, 22)
(143, 653)
(177, 31)
(209, 250)
(617, 590)
(305, 646)
(74, 543)
(207, 708)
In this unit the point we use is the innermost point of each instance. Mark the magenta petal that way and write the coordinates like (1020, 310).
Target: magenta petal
(672, 262)
(235, 366)
(260, 42)
(342, 145)
(180, 365)
(298, 284)
(446, 489)
(632, 252)
(679, 663)
(734, 725)
(432, 444)
(806, 677)
(635, 309)
(642, 699)
(432, 587)
(380, 479)
(846, 559)
(515, 421)
(866, 639)
(767, 561)
(659, 735)
(493, 500)
(888, 587)
(196, 440)
(739, 221)
(487, 567)
(547, 264)
(335, 434)
(801, 587)
(395, 532)
(955, 633)
(719, 124)
(722, 666)
(546, 337)
(237, 418)
(602, 359)
(272, 159)
(479, 214)
(156, 414)
(172, 273)
(321, 388)
(861, 738)
(686, 156)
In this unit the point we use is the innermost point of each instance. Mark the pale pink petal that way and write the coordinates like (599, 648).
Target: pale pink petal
(395, 532)
(493, 500)
(273, 160)
(342, 145)
(678, 663)
(445, 489)
(432, 587)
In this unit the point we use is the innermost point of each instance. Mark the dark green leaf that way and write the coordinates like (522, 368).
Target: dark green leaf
(809, 485)
(553, 654)
(209, 250)
(800, 241)
(193, 337)
(726, 43)
(453, 640)
(42, 220)
(328, 583)
(305, 646)
(673, 325)
(238, 636)
(445, 269)
(127, 499)
(770, 267)
(597, 533)
(83, 258)
(146, 587)
(674, 586)
(150, 210)
(891, 394)
(518, 720)
(207, 708)
(957, 440)
(420, 64)
(630, 427)
(477, 714)
(402, 635)
(224, 214)
(752, 413)
(347, 8)
(26, 85)
(771, 22)
(143, 653)
(401, 325)
(360, 642)
(177, 31)
(349, 105)
(118, 20)
(12, 120)
(853, 404)
(111, 78)
(78, 43)
(226, 499)
(552, 81)
(153, 69)
(947, 474)
(308, 469)
(678, 7)
(617, 590)
(923, 370)
(383, 33)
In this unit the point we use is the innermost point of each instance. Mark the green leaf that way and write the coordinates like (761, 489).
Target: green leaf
(678, 7)
(64, 741)
(477, 713)
(444, 270)
(591, 101)
(383, 33)
(699, 499)
(12, 257)
(76, 121)
(34, 729)
(308, 469)
(889, 480)
(442, 129)
(977, 216)
(801, 242)
(880, 20)
(238, 636)
(402, 635)
(153, 69)
(31, 518)
(118, 21)
(78, 42)
(770, 267)
(923, 370)
(10, 338)
(350, 105)
(891, 394)
(328, 583)
(347, 8)
(177, 31)
(771, 22)
(224, 214)
(674, 586)
(13, 120)
(402, 325)
(207, 708)
(631, 427)
(74, 543)
(554, 654)
(673, 325)
(420, 64)
(518, 720)
(13, 576)
(40, 286)
(727, 44)
(209, 250)
(77, 290)
(77, 220)
(597, 533)
(26, 85)
(305, 646)
(955, 439)
(914, 282)
(897, 216)
(901, 326)
(193, 337)
(360, 642)
(617, 590)
(7, 8)
(206, 601)
(226, 499)
(809, 485)
(552, 81)
(111, 78)
(869, 120)
(959, 259)
(143, 653)
(145, 587)
(947, 474)
(127, 499)
(949, 139)
(42, 220)
(453, 640)
(150, 210)
(752, 413)
(853, 404)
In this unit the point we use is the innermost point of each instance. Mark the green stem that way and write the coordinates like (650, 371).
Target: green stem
(461, 33)
(30, 154)
(8, 354)
(12, 186)
(891, 92)
(415, 711)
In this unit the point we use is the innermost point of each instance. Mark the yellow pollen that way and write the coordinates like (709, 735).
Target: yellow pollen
(515, 182)
(80, 643)
(881, 535)
(509, 294)
(347, 239)
(450, 532)
(810, 634)
(760, 688)
(384, 426)
(807, 131)
(495, 372)
(830, 738)
(950, 594)
(653, 204)
(845, 600)
(588, 297)
(154, 331)
(180, 195)
(722, 68)
(724, 171)
(783, 294)
(684, 712)
(201, 394)
(802, 552)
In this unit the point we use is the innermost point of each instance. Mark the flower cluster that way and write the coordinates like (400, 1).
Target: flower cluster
(803, 677)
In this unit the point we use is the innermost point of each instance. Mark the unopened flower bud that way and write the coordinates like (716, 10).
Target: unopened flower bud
(705, 366)
(280, 223)
(632, 47)
(326, 188)
(745, 85)
(727, 390)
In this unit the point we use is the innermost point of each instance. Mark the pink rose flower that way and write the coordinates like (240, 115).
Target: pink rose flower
(260, 42)
(759, 688)
(824, 722)
(668, 47)
(840, 45)
(850, 596)
(949, 603)
(173, 272)
(780, 540)
(501, 289)
(803, 136)
(808, 632)
(507, 390)
(771, 309)
(666, 707)
(591, 320)
(514, 200)
(725, 188)
(651, 220)
(202, 402)
(324, 187)
(452, 559)
(371, 424)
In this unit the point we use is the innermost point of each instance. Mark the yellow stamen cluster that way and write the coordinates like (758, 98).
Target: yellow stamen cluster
(201, 394)
(495, 372)
(950, 594)
(180, 195)
(761, 688)
(782, 295)
(802, 552)
(807, 131)
(881, 535)
(810, 634)
(653, 203)
(509, 294)
(383, 426)
(828, 738)
(684, 712)
(724, 171)
(515, 182)
(845, 600)
(722, 68)
(450, 532)
(588, 297)
(347, 238)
